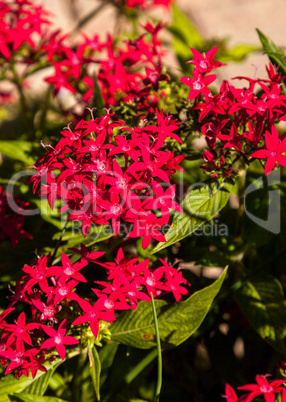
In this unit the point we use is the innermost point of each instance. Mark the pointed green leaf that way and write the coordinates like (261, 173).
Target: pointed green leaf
(10, 385)
(185, 35)
(199, 206)
(34, 398)
(97, 233)
(279, 60)
(97, 95)
(107, 354)
(49, 215)
(39, 386)
(95, 368)
(23, 151)
(261, 300)
(267, 43)
(275, 54)
(238, 53)
(177, 322)
(186, 30)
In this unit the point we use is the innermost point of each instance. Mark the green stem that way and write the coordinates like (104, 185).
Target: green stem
(240, 211)
(128, 378)
(76, 385)
(59, 242)
(86, 19)
(140, 367)
(25, 112)
(42, 123)
(159, 351)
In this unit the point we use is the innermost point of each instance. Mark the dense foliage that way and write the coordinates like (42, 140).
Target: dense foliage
(125, 192)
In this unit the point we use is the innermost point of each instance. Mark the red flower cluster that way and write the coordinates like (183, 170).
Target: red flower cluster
(269, 390)
(21, 23)
(128, 72)
(143, 4)
(11, 223)
(235, 120)
(52, 296)
(104, 181)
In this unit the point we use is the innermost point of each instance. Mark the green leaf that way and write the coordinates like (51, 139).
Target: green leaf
(97, 95)
(23, 151)
(238, 53)
(33, 398)
(185, 35)
(97, 233)
(10, 385)
(275, 54)
(279, 59)
(267, 43)
(159, 351)
(199, 207)
(261, 300)
(39, 386)
(107, 354)
(138, 400)
(177, 322)
(49, 215)
(95, 368)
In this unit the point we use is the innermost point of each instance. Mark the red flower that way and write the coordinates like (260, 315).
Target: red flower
(20, 331)
(198, 84)
(93, 314)
(263, 387)
(275, 147)
(204, 62)
(58, 339)
(230, 394)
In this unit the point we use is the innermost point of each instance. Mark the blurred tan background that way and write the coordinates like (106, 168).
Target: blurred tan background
(234, 19)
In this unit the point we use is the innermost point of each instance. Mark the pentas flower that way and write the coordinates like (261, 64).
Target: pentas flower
(212, 106)
(11, 223)
(69, 270)
(20, 359)
(58, 339)
(85, 174)
(143, 4)
(275, 147)
(48, 310)
(130, 72)
(237, 122)
(122, 267)
(64, 290)
(263, 387)
(32, 339)
(198, 84)
(93, 314)
(173, 281)
(163, 200)
(20, 331)
(204, 63)
(21, 23)
(165, 3)
(38, 274)
(86, 254)
(230, 394)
